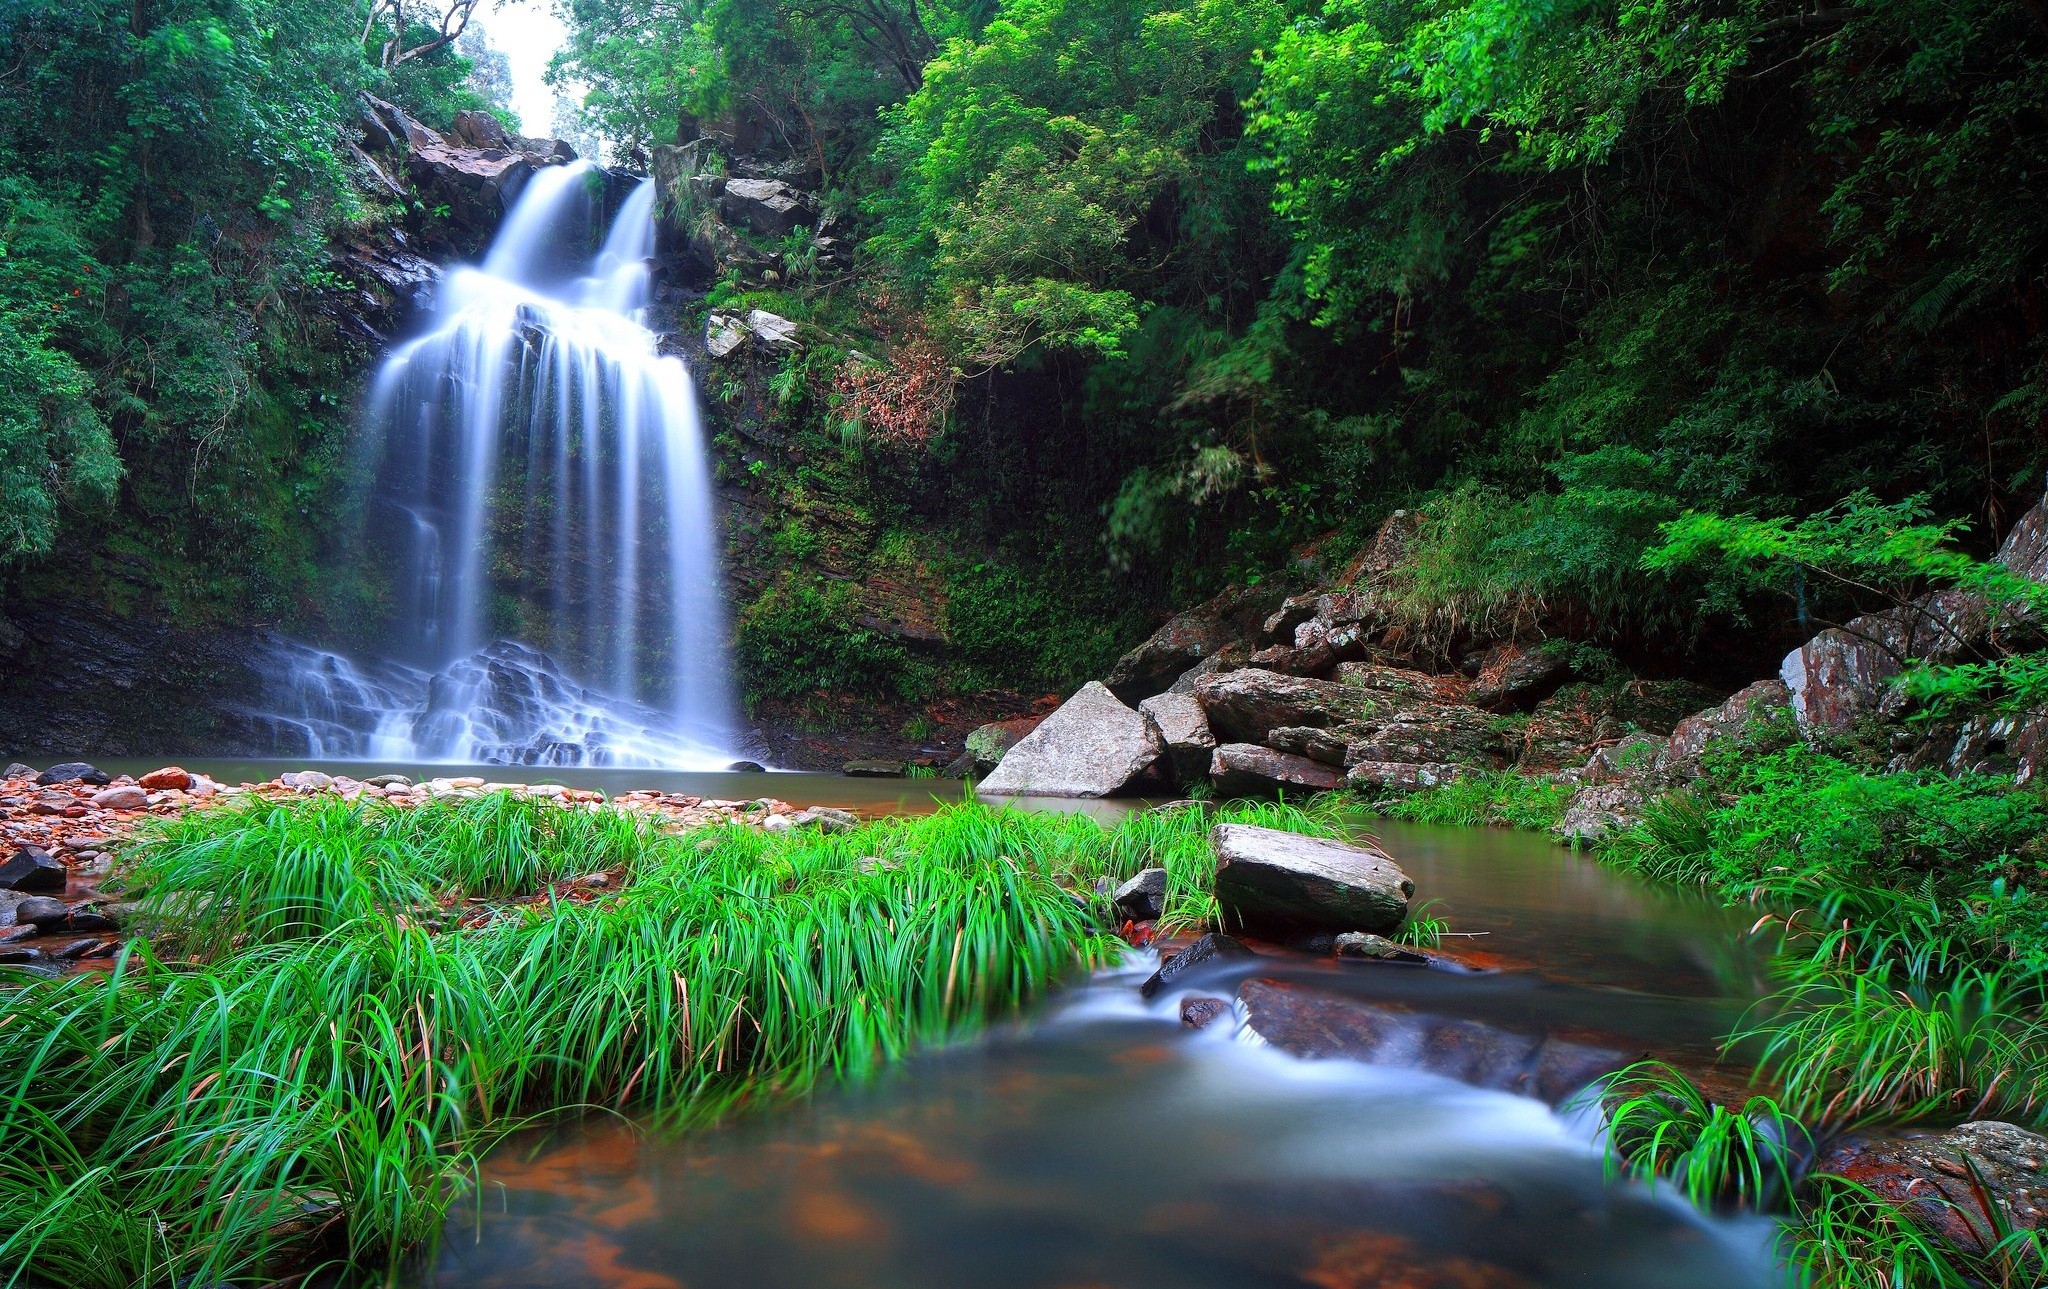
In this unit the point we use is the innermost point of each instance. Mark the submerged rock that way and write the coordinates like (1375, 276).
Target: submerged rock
(1316, 1024)
(1209, 951)
(1198, 1011)
(1283, 881)
(873, 769)
(1093, 746)
(1377, 948)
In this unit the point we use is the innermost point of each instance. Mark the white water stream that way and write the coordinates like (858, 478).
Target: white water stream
(543, 494)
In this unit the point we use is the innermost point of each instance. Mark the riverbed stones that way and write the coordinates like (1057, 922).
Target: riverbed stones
(825, 819)
(1143, 898)
(16, 770)
(1248, 770)
(127, 797)
(1184, 729)
(42, 912)
(1282, 881)
(171, 776)
(33, 870)
(1199, 1011)
(72, 772)
(1093, 746)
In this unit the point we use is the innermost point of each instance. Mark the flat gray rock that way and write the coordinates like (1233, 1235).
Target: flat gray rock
(1093, 746)
(1270, 879)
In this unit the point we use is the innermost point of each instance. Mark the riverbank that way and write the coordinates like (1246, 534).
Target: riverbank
(428, 976)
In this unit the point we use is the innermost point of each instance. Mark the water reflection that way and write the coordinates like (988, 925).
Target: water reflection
(1101, 1146)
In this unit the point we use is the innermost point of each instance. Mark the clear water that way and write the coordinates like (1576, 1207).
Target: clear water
(543, 506)
(1100, 1143)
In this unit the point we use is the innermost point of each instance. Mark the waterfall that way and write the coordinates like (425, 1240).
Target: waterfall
(543, 504)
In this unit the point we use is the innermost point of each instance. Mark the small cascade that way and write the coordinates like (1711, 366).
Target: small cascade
(543, 506)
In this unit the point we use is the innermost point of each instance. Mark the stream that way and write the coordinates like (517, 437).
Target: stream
(1097, 1142)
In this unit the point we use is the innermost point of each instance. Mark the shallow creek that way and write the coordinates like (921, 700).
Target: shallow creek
(1097, 1142)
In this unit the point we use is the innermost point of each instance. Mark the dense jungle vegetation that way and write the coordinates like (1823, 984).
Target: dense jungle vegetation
(1161, 291)
(1244, 274)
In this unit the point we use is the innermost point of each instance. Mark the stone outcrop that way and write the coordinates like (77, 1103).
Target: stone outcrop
(1283, 881)
(1232, 618)
(1247, 705)
(1093, 746)
(767, 207)
(1262, 692)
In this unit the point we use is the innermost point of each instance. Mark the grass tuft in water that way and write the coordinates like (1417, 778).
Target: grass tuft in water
(308, 1060)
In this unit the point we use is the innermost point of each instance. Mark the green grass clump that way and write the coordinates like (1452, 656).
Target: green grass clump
(1498, 798)
(308, 1060)
(1911, 958)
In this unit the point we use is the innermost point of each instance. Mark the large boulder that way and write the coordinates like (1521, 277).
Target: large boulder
(1842, 676)
(1093, 746)
(1401, 776)
(988, 744)
(1316, 1024)
(1275, 880)
(1598, 810)
(1516, 677)
(32, 870)
(1433, 733)
(1747, 710)
(1184, 730)
(1247, 705)
(1232, 618)
(1248, 770)
(769, 207)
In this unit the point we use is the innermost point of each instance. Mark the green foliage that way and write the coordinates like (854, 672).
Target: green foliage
(1500, 798)
(801, 637)
(1025, 627)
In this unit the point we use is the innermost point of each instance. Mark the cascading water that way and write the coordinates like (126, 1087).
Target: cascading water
(541, 479)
